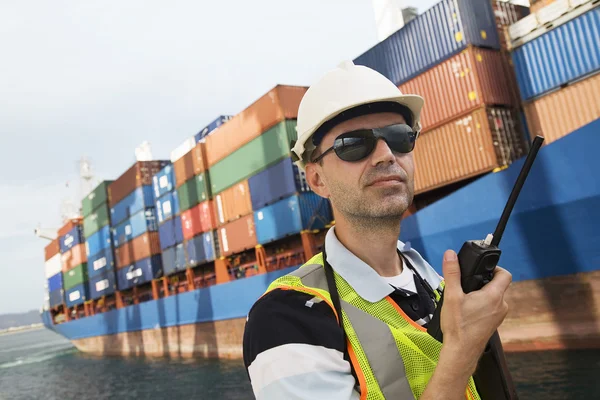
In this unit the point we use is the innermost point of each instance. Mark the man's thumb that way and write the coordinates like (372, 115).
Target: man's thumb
(451, 271)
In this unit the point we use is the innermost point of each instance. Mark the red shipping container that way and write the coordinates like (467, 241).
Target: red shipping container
(139, 174)
(464, 83)
(51, 249)
(197, 219)
(72, 258)
(233, 203)
(237, 236)
(278, 104)
(70, 224)
(141, 247)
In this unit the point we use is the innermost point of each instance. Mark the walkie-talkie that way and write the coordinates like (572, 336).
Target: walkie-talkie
(478, 259)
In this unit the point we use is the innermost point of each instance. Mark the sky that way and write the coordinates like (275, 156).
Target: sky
(96, 79)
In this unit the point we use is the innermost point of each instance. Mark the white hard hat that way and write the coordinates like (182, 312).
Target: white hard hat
(346, 88)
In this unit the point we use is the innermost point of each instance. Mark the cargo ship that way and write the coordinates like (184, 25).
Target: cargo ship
(168, 258)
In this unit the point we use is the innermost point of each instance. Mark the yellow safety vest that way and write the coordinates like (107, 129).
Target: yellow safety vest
(393, 356)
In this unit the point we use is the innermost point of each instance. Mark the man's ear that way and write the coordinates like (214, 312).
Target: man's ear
(314, 177)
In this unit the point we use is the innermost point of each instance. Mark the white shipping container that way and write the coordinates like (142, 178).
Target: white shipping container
(53, 266)
(183, 148)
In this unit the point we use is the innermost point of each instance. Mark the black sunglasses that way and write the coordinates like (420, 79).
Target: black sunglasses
(357, 145)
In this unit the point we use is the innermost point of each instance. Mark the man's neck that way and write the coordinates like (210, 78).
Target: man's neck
(375, 244)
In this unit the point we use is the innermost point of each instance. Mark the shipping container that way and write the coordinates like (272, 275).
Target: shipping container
(97, 197)
(198, 219)
(438, 33)
(290, 216)
(170, 233)
(237, 236)
(173, 259)
(562, 55)
(466, 147)
(200, 249)
(232, 203)
(52, 249)
(77, 295)
(463, 83)
(53, 266)
(278, 104)
(141, 272)
(275, 183)
(133, 203)
(96, 220)
(75, 276)
(507, 14)
(71, 239)
(164, 181)
(167, 206)
(98, 241)
(101, 262)
(199, 160)
(140, 223)
(74, 257)
(69, 225)
(141, 247)
(583, 101)
(140, 174)
(184, 168)
(265, 150)
(104, 284)
(55, 282)
(207, 130)
(182, 149)
(56, 298)
(194, 191)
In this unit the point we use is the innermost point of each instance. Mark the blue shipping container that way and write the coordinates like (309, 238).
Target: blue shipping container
(98, 241)
(55, 282)
(133, 203)
(72, 238)
(101, 262)
(200, 249)
(212, 126)
(173, 259)
(279, 181)
(142, 222)
(167, 206)
(437, 34)
(56, 297)
(164, 181)
(103, 285)
(141, 272)
(77, 295)
(291, 216)
(564, 54)
(170, 233)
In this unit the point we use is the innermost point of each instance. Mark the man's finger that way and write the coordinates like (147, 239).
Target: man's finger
(501, 280)
(451, 272)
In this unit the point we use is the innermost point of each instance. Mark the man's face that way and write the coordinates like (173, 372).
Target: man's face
(356, 189)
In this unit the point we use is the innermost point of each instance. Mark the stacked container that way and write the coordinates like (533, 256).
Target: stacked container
(134, 225)
(210, 128)
(556, 56)
(53, 270)
(99, 247)
(74, 263)
(468, 85)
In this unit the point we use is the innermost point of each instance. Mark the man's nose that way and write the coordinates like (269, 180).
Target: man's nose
(382, 153)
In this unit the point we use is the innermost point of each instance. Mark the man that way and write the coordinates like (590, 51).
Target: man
(356, 133)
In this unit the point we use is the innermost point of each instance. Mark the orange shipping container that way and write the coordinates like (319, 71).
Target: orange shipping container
(51, 249)
(474, 144)
(463, 83)
(237, 236)
(70, 224)
(233, 203)
(191, 164)
(72, 258)
(199, 158)
(583, 101)
(280, 103)
(141, 247)
(139, 174)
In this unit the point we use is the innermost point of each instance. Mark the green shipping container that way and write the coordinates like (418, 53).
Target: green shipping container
(253, 157)
(96, 220)
(75, 276)
(193, 191)
(94, 199)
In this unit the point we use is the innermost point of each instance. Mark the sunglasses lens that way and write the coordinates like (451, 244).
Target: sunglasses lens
(400, 138)
(354, 146)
